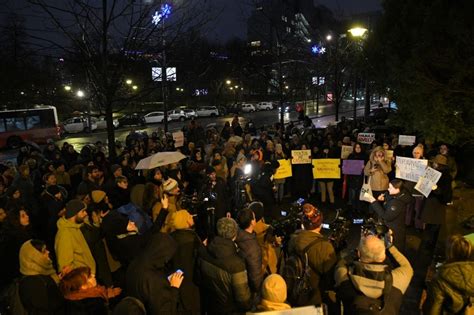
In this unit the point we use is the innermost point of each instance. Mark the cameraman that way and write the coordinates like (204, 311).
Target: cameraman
(216, 187)
(367, 285)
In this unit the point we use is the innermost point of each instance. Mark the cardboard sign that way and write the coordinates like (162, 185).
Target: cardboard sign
(406, 140)
(352, 167)
(301, 156)
(326, 168)
(366, 137)
(178, 138)
(427, 181)
(284, 170)
(410, 169)
(388, 155)
(345, 151)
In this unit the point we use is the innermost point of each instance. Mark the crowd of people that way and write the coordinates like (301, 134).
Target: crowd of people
(82, 233)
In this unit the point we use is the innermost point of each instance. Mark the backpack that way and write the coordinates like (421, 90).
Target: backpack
(296, 273)
(10, 300)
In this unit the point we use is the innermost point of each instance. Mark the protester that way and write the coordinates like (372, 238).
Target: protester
(273, 294)
(377, 169)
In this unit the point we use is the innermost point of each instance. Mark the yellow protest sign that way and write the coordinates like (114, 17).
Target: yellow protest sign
(326, 168)
(284, 170)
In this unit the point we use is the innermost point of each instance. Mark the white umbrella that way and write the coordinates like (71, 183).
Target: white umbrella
(160, 159)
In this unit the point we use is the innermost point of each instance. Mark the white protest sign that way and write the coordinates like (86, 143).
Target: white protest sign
(427, 181)
(345, 151)
(365, 137)
(410, 169)
(301, 156)
(406, 140)
(178, 138)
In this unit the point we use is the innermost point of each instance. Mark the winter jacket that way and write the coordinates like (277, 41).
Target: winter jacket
(118, 196)
(223, 278)
(435, 205)
(351, 284)
(449, 289)
(321, 259)
(378, 178)
(251, 252)
(264, 238)
(71, 247)
(393, 214)
(147, 276)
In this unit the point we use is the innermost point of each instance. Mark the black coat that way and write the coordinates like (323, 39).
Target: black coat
(147, 277)
(188, 245)
(96, 306)
(41, 296)
(251, 252)
(118, 197)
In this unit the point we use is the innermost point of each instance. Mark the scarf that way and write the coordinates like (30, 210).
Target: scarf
(266, 305)
(95, 292)
(33, 263)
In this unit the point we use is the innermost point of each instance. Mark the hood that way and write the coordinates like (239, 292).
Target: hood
(33, 263)
(63, 223)
(159, 250)
(221, 247)
(459, 276)
(370, 281)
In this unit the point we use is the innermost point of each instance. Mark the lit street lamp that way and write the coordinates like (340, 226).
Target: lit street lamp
(67, 88)
(135, 87)
(128, 81)
(80, 93)
(358, 33)
(228, 82)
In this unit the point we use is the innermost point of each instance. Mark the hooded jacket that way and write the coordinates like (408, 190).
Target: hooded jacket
(71, 247)
(147, 280)
(251, 252)
(450, 288)
(378, 178)
(350, 285)
(224, 284)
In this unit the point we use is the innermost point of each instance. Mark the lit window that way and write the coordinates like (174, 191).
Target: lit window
(255, 43)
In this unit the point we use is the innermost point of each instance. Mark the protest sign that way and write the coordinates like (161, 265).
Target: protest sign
(388, 155)
(365, 137)
(345, 151)
(326, 168)
(301, 156)
(410, 169)
(284, 170)
(178, 138)
(352, 167)
(427, 181)
(406, 140)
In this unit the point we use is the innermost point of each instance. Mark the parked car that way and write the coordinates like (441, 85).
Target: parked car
(207, 111)
(102, 123)
(79, 124)
(264, 106)
(154, 117)
(190, 113)
(287, 107)
(248, 108)
(134, 119)
(176, 114)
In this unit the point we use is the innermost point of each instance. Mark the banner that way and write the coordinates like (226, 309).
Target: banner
(352, 167)
(410, 169)
(326, 168)
(345, 151)
(406, 140)
(427, 181)
(284, 170)
(366, 137)
(301, 156)
(178, 138)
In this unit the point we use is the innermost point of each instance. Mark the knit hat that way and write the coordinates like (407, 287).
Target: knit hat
(114, 168)
(73, 207)
(440, 159)
(312, 217)
(97, 196)
(169, 184)
(274, 288)
(181, 219)
(257, 208)
(227, 228)
(53, 190)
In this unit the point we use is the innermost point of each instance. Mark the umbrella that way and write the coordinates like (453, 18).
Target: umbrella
(160, 159)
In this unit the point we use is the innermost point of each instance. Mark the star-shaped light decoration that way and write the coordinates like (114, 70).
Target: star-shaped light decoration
(161, 15)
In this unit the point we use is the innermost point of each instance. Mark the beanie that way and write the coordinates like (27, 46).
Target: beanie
(73, 207)
(227, 228)
(97, 196)
(181, 220)
(274, 288)
(53, 190)
(114, 168)
(312, 217)
(257, 208)
(169, 184)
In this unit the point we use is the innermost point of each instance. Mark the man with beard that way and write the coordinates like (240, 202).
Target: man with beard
(70, 245)
(93, 181)
(216, 186)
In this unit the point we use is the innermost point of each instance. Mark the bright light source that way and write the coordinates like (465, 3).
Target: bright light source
(236, 86)
(329, 37)
(128, 81)
(80, 93)
(228, 82)
(161, 15)
(248, 169)
(358, 31)
(182, 90)
(177, 89)
(67, 88)
(231, 88)
(135, 87)
(22, 93)
(287, 87)
(309, 40)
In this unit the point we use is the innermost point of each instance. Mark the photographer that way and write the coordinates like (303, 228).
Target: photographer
(216, 187)
(366, 285)
(393, 210)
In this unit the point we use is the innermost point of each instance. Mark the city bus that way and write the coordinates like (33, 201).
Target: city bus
(37, 124)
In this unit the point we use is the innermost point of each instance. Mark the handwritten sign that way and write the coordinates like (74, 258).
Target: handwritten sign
(410, 169)
(284, 170)
(366, 137)
(326, 168)
(346, 150)
(427, 181)
(178, 138)
(406, 140)
(352, 167)
(301, 156)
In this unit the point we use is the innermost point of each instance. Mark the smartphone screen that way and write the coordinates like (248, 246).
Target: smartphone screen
(325, 226)
(284, 213)
(358, 221)
(177, 271)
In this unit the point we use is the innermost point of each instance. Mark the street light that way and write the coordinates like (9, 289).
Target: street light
(80, 93)
(328, 37)
(67, 88)
(357, 31)
(128, 81)
(228, 82)
(135, 87)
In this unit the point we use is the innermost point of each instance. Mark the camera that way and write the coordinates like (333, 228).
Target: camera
(372, 227)
(290, 221)
(339, 228)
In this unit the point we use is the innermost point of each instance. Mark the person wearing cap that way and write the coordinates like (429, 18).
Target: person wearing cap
(321, 253)
(70, 245)
(170, 190)
(223, 282)
(188, 246)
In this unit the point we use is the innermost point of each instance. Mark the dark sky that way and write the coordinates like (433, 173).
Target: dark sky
(232, 21)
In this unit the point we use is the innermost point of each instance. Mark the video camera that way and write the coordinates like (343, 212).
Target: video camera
(372, 227)
(290, 221)
(339, 231)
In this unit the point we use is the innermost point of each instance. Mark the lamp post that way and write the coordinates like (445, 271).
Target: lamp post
(358, 34)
